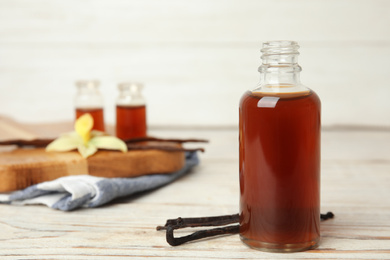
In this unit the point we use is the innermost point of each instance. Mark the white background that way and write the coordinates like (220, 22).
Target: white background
(195, 57)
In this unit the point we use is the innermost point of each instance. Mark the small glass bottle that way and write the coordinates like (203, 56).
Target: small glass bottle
(89, 100)
(130, 111)
(279, 136)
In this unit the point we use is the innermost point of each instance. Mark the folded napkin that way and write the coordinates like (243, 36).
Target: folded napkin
(72, 192)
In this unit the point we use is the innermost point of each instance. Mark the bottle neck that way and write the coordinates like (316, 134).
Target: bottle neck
(88, 95)
(130, 94)
(280, 71)
(280, 75)
(88, 87)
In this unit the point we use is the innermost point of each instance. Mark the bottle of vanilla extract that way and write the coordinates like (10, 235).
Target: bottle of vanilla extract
(279, 156)
(130, 111)
(89, 100)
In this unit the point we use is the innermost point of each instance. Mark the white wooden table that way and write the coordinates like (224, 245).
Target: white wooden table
(355, 187)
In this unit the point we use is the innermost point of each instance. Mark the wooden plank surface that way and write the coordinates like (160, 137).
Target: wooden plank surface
(355, 186)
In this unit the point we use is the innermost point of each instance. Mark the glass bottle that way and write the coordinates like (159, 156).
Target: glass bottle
(89, 100)
(130, 111)
(279, 144)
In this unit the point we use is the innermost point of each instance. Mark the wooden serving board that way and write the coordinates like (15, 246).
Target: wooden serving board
(21, 168)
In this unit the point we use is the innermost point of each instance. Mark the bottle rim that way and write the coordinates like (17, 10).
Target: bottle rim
(280, 48)
(87, 83)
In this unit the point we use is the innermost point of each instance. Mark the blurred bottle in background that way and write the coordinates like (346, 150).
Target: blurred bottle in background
(89, 100)
(130, 111)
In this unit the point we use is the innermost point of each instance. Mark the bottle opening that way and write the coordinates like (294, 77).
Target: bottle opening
(280, 48)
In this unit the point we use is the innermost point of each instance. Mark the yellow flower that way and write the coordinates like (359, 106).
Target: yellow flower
(83, 127)
(87, 142)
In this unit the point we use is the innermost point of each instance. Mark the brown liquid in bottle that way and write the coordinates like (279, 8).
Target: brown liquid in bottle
(279, 171)
(130, 122)
(97, 115)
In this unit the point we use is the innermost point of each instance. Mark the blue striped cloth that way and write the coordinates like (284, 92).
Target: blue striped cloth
(78, 191)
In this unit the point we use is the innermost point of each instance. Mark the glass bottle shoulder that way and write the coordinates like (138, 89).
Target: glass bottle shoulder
(254, 97)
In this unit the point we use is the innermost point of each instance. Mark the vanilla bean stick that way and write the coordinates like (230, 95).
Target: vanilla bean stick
(200, 222)
(149, 138)
(178, 223)
(163, 148)
(44, 142)
(172, 224)
(326, 216)
(23, 143)
(200, 234)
